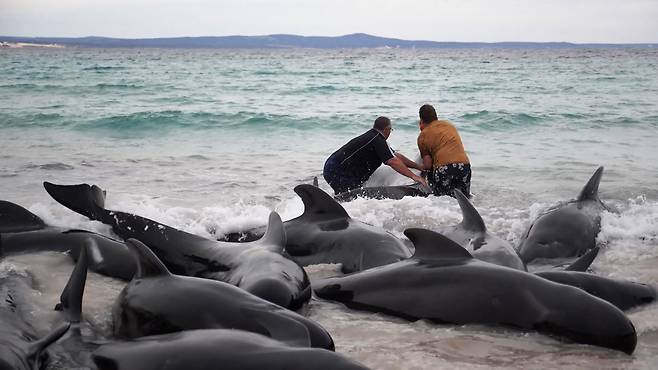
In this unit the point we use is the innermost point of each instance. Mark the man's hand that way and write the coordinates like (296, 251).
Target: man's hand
(421, 180)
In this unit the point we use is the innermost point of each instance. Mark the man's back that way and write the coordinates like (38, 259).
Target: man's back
(442, 142)
(361, 156)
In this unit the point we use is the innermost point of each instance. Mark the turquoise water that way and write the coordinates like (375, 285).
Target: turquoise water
(210, 140)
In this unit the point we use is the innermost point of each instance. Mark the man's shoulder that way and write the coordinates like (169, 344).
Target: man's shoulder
(443, 122)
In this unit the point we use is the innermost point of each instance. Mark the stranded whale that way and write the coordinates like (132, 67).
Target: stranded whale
(443, 283)
(568, 229)
(209, 349)
(472, 234)
(20, 345)
(325, 233)
(24, 232)
(384, 192)
(262, 268)
(159, 302)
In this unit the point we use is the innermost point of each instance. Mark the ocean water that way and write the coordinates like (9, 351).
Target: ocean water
(209, 141)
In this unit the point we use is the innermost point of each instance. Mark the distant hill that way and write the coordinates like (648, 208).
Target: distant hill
(357, 40)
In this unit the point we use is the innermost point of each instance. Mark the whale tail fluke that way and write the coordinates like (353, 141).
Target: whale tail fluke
(88, 200)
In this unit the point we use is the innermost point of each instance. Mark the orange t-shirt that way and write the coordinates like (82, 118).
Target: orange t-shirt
(441, 141)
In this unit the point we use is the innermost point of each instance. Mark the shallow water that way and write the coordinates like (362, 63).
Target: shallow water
(210, 141)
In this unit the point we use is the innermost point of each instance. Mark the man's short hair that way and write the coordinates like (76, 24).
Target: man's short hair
(427, 113)
(381, 123)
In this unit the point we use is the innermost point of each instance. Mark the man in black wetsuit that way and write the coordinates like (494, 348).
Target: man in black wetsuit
(350, 166)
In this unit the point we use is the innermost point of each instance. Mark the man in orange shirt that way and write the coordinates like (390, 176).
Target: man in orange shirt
(443, 154)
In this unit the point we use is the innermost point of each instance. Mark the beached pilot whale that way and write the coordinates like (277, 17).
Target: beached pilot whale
(159, 302)
(472, 234)
(262, 268)
(24, 232)
(384, 192)
(568, 229)
(20, 346)
(443, 283)
(325, 233)
(205, 349)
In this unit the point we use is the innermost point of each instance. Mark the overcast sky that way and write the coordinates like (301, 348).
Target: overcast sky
(580, 21)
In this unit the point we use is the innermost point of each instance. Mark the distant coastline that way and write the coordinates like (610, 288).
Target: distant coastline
(357, 40)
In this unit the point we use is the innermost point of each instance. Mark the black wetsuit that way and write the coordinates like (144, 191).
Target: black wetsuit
(350, 166)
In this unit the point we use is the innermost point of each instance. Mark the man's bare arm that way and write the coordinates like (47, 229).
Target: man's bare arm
(397, 164)
(409, 163)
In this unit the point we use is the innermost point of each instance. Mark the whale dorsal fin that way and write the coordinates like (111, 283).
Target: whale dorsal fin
(584, 262)
(35, 348)
(591, 189)
(319, 203)
(280, 327)
(148, 264)
(71, 298)
(471, 217)
(432, 245)
(275, 235)
(14, 218)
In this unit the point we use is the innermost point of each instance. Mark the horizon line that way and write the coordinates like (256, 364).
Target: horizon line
(332, 37)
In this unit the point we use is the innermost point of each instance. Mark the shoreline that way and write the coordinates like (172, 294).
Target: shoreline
(20, 45)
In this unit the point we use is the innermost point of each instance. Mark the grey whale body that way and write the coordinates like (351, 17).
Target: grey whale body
(21, 348)
(159, 302)
(23, 232)
(568, 229)
(383, 192)
(207, 349)
(325, 233)
(263, 267)
(443, 283)
(472, 234)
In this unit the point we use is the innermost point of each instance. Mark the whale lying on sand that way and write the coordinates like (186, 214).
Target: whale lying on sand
(472, 234)
(568, 229)
(24, 232)
(159, 302)
(325, 233)
(443, 283)
(207, 349)
(384, 192)
(262, 267)
(20, 345)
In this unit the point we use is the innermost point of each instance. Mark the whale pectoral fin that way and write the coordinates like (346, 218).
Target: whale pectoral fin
(584, 262)
(148, 264)
(84, 199)
(591, 189)
(280, 327)
(317, 202)
(432, 245)
(71, 298)
(471, 217)
(275, 235)
(14, 218)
